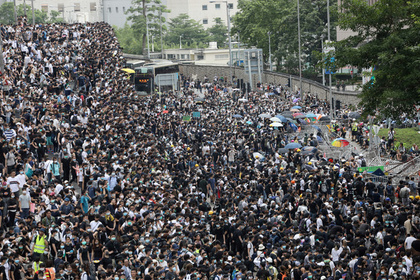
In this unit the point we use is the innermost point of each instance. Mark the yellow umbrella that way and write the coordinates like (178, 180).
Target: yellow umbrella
(128, 70)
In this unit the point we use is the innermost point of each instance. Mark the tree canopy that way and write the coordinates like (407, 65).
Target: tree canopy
(7, 14)
(387, 40)
(153, 10)
(190, 31)
(218, 33)
(258, 17)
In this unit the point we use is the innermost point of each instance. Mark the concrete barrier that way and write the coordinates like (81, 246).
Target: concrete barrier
(319, 90)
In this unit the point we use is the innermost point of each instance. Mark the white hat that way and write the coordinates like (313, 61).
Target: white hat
(269, 260)
(261, 247)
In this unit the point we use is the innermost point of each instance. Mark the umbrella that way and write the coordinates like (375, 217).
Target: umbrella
(282, 151)
(275, 119)
(293, 126)
(282, 119)
(292, 146)
(294, 110)
(290, 120)
(287, 114)
(317, 128)
(302, 121)
(325, 118)
(310, 115)
(314, 106)
(243, 100)
(298, 115)
(249, 122)
(128, 70)
(271, 93)
(165, 112)
(264, 116)
(237, 116)
(354, 115)
(310, 149)
(297, 107)
(340, 142)
(199, 99)
(257, 155)
(276, 124)
(296, 100)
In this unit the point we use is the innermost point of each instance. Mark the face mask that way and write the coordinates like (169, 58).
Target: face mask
(129, 223)
(113, 238)
(62, 246)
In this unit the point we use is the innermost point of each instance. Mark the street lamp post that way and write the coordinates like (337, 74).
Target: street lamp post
(269, 50)
(300, 62)
(230, 39)
(322, 58)
(180, 42)
(147, 36)
(153, 43)
(160, 27)
(33, 13)
(329, 40)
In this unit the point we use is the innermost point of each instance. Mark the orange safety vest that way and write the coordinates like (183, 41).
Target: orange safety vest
(50, 273)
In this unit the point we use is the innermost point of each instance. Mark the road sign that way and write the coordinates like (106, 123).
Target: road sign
(375, 129)
(370, 169)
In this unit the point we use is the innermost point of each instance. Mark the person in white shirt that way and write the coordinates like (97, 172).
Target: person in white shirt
(335, 253)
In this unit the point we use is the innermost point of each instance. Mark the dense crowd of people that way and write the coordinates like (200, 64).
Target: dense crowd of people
(99, 183)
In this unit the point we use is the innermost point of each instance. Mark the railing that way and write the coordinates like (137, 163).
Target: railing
(406, 167)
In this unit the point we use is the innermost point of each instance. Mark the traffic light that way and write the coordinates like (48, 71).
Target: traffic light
(337, 104)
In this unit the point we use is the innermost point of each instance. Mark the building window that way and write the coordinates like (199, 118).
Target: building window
(217, 6)
(171, 56)
(77, 7)
(123, 9)
(221, 56)
(61, 8)
(204, 7)
(205, 21)
(44, 7)
(116, 9)
(92, 6)
(230, 5)
(109, 10)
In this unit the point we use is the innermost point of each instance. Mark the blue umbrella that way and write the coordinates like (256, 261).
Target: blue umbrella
(319, 138)
(310, 149)
(296, 107)
(271, 93)
(249, 122)
(282, 118)
(293, 126)
(310, 115)
(317, 128)
(292, 146)
(237, 116)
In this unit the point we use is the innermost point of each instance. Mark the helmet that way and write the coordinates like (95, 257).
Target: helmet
(172, 146)
(210, 212)
(417, 197)
(293, 181)
(298, 150)
(281, 168)
(411, 197)
(196, 165)
(297, 171)
(188, 148)
(310, 163)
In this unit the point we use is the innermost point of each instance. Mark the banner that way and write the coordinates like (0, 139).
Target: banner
(370, 169)
(186, 118)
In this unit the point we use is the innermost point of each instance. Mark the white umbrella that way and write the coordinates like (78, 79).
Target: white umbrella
(276, 124)
(275, 119)
(264, 116)
(243, 100)
(257, 155)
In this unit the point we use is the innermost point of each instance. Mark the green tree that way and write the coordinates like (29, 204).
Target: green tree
(55, 17)
(386, 39)
(258, 17)
(7, 14)
(153, 10)
(218, 33)
(129, 39)
(191, 32)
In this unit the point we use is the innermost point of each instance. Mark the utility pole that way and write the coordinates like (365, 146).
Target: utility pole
(329, 75)
(269, 50)
(24, 8)
(161, 34)
(300, 62)
(322, 52)
(33, 13)
(1, 55)
(14, 11)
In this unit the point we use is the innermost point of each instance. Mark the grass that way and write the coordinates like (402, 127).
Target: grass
(408, 136)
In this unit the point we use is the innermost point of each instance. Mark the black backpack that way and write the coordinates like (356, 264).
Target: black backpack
(74, 120)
